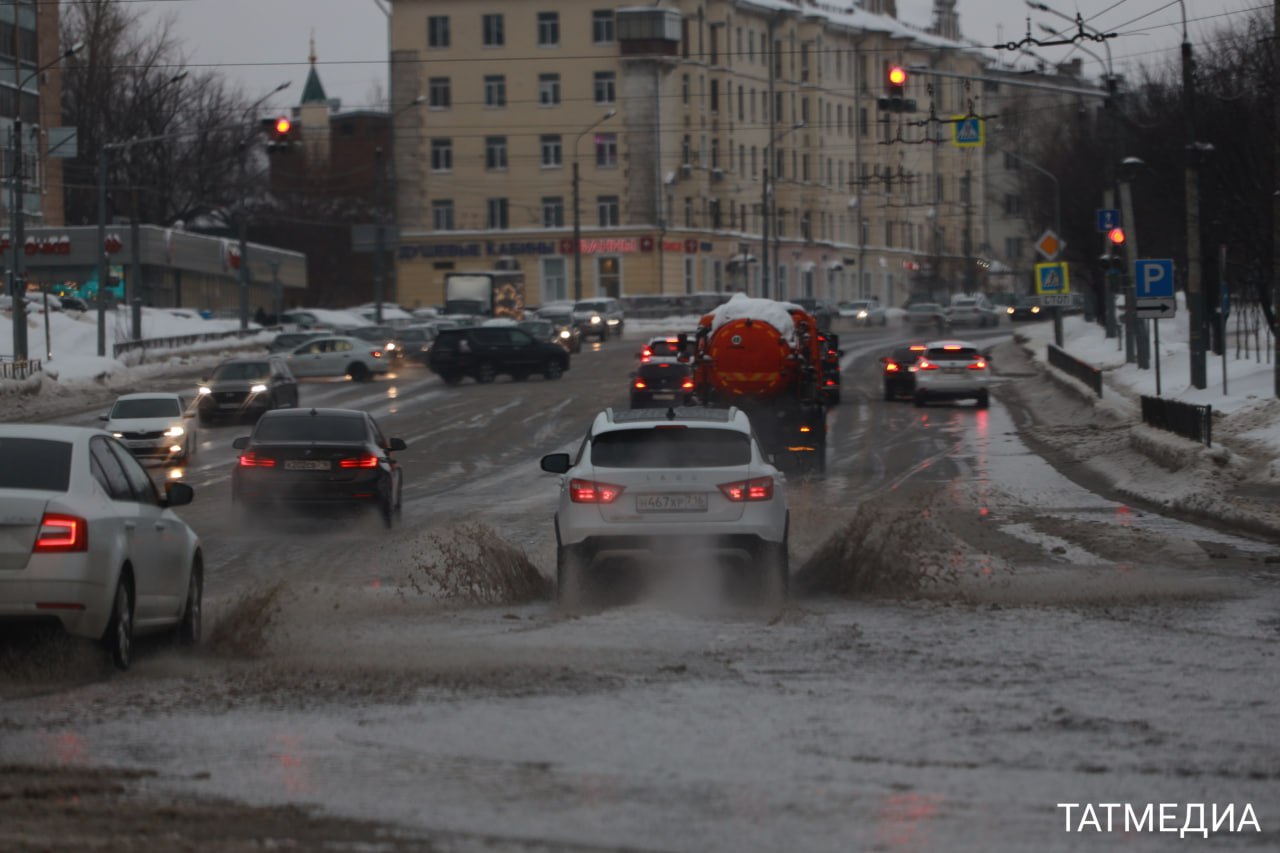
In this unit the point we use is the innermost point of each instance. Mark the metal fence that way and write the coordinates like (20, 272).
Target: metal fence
(20, 369)
(1185, 419)
(1074, 367)
(179, 341)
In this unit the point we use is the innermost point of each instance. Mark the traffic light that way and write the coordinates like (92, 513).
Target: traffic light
(895, 84)
(280, 136)
(1116, 236)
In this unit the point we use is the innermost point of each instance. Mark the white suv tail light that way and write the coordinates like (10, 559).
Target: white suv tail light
(592, 492)
(759, 489)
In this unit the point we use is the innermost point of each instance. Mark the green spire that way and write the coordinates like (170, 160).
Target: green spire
(313, 92)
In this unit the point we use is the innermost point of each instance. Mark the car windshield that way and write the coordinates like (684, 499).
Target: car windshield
(591, 305)
(38, 464)
(313, 428)
(665, 348)
(240, 371)
(670, 447)
(539, 329)
(157, 407)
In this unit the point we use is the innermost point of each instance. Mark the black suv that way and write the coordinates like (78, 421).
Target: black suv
(483, 352)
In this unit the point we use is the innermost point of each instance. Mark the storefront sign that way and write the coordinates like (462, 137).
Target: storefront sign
(59, 245)
(602, 246)
(479, 249)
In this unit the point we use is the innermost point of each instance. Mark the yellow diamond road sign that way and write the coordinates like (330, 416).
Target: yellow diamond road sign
(1049, 245)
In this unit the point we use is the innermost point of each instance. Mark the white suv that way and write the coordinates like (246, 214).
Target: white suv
(684, 489)
(952, 370)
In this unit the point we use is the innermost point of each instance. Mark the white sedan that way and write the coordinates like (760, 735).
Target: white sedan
(338, 355)
(685, 490)
(863, 312)
(156, 426)
(87, 541)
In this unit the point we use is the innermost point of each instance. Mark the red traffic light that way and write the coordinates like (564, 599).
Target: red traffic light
(283, 126)
(897, 75)
(1116, 236)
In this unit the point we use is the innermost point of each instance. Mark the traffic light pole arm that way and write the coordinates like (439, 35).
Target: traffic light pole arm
(1025, 84)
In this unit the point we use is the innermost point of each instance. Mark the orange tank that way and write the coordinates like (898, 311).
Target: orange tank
(749, 358)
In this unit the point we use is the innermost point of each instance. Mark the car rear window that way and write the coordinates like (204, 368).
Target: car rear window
(944, 354)
(241, 370)
(905, 354)
(38, 464)
(154, 408)
(670, 447)
(313, 428)
(649, 371)
(665, 348)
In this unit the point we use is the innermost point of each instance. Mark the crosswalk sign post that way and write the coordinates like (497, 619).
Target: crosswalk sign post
(967, 132)
(1054, 279)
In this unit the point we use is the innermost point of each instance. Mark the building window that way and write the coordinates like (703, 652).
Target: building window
(438, 93)
(495, 90)
(552, 152)
(548, 29)
(602, 26)
(690, 274)
(495, 152)
(438, 31)
(715, 153)
(553, 279)
(715, 94)
(684, 89)
(607, 209)
(1013, 248)
(442, 214)
(553, 212)
(549, 89)
(609, 276)
(804, 168)
(497, 210)
(688, 212)
(686, 151)
(493, 31)
(606, 87)
(606, 149)
(442, 155)
(1012, 205)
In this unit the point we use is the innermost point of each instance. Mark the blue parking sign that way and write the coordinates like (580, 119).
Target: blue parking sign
(1153, 277)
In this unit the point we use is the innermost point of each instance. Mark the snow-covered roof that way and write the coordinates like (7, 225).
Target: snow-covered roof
(743, 307)
(500, 321)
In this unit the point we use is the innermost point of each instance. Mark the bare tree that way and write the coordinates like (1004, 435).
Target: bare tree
(129, 83)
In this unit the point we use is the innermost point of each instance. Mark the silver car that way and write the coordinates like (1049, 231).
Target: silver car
(87, 541)
(154, 426)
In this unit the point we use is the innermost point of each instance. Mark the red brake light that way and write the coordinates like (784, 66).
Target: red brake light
(61, 533)
(376, 353)
(253, 460)
(759, 489)
(891, 367)
(917, 348)
(640, 384)
(673, 340)
(952, 347)
(687, 385)
(925, 364)
(591, 492)
(365, 461)
(646, 352)
(978, 365)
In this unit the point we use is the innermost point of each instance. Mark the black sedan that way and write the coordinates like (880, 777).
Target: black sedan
(670, 382)
(245, 388)
(899, 380)
(318, 457)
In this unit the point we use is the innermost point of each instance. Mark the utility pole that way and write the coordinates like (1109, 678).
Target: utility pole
(1275, 202)
(1136, 345)
(243, 226)
(968, 233)
(767, 212)
(379, 242)
(102, 250)
(1195, 290)
(18, 284)
(764, 231)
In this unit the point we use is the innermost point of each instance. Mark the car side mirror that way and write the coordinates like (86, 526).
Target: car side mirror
(395, 444)
(178, 494)
(241, 442)
(104, 417)
(555, 463)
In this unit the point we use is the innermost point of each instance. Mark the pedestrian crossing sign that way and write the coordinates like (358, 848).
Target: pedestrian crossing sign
(967, 131)
(1052, 278)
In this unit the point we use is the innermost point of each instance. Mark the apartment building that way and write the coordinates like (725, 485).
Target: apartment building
(693, 128)
(29, 40)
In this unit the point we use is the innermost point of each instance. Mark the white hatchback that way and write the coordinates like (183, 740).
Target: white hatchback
(86, 540)
(952, 370)
(684, 489)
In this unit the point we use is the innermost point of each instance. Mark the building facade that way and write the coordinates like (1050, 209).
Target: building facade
(694, 129)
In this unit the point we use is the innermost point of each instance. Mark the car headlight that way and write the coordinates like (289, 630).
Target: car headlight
(862, 315)
(614, 321)
(205, 389)
(258, 389)
(117, 435)
(564, 333)
(1009, 310)
(1035, 309)
(390, 346)
(175, 431)
(595, 319)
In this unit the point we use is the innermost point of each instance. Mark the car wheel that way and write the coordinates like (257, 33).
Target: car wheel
(519, 375)
(452, 378)
(984, 400)
(188, 633)
(359, 373)
(776, 585)
(553, 370)
(485, 373)
(118, 638)
(570, 579)
(889, 396)
(388, 512)
(918, 398)
(884, 320)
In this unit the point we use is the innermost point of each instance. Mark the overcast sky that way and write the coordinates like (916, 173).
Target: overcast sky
(261, 43)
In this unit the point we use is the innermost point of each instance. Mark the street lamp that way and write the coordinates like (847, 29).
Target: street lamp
(17, 281)
(768, 208)
(380, 177)
(577, 215)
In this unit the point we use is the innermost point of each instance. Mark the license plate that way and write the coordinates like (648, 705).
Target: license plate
(228, 405)
(671, 503)
(307, 465)
(955, 369)
(139, 443)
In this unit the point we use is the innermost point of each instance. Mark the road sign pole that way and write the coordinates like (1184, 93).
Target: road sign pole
(1057, 326)
(1155, 324)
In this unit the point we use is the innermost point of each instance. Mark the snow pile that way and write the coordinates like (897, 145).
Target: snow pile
(743, 307)
(335, 318)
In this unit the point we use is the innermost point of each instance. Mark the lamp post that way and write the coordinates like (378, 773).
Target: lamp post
(769, 206)
(1136, 348)
(1057, 222)
(17, 281)
(243, 224)
(381, 202)
(577, 214)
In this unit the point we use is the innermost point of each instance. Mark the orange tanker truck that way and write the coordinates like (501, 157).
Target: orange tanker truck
(765, 357)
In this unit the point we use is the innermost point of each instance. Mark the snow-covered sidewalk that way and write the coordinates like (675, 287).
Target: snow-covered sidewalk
(1235, 482)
